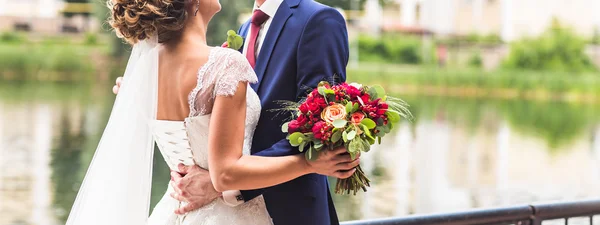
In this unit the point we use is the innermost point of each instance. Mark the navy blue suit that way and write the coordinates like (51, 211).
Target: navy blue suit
(306, 43)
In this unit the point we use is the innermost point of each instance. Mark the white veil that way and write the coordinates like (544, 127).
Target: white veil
(116, 188)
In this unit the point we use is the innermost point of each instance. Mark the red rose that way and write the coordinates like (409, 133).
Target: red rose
(357, 117)
(294, 126)
(302, 120)
(303, 108)
(320, 101)
(314, 109)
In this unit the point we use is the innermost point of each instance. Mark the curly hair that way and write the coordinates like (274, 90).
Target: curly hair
(137, 20)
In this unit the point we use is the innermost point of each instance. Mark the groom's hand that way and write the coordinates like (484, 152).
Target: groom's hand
(117, 85)
(192, 185)
(336, 163)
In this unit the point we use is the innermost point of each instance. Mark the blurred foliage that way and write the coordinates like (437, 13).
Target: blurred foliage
(90, 39)
(390, 49)
(557, 49)
(553, 82)
(227, 19)
(12, 37)
(475, 60)
(474, 38)
(46, 61)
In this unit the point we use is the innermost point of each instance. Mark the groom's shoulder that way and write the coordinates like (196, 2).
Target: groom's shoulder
(313, 9)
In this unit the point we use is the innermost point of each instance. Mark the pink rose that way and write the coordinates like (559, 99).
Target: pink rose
(334, 112)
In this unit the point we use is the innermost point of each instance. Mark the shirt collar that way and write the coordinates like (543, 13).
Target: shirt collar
(269, 7)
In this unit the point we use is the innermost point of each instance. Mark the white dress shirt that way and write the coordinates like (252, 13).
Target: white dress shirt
(269, 7)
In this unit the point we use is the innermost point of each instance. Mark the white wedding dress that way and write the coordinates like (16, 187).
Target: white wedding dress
(187, 142)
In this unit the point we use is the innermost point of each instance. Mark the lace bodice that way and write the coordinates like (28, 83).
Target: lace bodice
(220, 75)
(187, 141)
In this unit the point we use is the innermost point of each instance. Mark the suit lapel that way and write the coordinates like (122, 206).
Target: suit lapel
(281, 17)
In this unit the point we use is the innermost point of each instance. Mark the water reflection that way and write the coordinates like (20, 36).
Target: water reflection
(458, 154)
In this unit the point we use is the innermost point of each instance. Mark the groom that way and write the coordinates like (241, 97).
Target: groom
(292, 45)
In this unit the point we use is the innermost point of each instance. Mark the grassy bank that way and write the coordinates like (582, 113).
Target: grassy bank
(52, 59)
(475, 82)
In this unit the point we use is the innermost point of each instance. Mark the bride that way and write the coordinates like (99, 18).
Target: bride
(193, 101)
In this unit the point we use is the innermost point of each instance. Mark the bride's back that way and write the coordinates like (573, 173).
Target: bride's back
(177, 77)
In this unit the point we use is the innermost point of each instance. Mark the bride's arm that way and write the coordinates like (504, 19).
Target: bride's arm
(230, 170)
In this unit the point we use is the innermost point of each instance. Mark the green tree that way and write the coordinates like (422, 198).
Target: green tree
(557, 49)
(227, 19)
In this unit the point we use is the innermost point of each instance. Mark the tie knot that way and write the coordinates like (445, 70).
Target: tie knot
(259, 17)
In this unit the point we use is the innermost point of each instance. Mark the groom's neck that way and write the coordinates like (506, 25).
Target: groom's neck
(260, 2)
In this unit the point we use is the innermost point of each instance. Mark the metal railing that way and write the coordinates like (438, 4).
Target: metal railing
(533, 214)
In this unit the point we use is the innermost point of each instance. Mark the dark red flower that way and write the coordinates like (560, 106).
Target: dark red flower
(302, 119)
(303, 108)
(383, 107)
(294, 126)
(322, 131)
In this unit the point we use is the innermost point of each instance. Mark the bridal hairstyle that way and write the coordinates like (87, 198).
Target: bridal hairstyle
(137, 20)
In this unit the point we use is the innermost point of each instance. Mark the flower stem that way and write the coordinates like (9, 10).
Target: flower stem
(358, 181)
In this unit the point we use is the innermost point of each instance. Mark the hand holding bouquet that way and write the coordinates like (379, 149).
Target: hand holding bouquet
(351, 115)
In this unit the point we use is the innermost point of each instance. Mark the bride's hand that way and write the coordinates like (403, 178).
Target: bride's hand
(117, 86)
(193, 187)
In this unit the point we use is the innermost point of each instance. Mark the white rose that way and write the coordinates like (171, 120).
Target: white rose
(358, 86)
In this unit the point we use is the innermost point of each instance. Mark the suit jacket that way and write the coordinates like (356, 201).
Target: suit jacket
(306, 43)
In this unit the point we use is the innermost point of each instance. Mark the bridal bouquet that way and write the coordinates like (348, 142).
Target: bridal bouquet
(352, 115)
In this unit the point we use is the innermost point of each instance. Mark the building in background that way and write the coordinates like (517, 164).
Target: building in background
(510, 19)
(45, 16)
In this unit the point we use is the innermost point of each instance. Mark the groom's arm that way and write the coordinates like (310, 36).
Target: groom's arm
(322, 55)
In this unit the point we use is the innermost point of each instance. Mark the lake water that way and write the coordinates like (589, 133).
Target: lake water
(457, 154)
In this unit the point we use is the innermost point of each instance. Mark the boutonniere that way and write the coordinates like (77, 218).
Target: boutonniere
(234, 41)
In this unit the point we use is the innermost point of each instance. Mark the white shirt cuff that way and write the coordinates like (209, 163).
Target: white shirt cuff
(233, 198)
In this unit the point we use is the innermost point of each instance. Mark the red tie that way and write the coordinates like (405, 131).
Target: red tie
(258, 18)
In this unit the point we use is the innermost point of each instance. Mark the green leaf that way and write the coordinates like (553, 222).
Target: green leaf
(322, 90)
(318, 147)
(366, 145)
(351, 135)
(336, 136)
(345, 136)
(367, 132)
(355, 107)
(371, 142)
(393, 116)
(369, 123)
(296, 139)
(311, 154)
(353, 155)
(329, 92)
(302, 145)
(376, 92)
(237, 42)
(284, 127)
(231, 33)
(379, 140)
(349, 107)
(339, 123)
